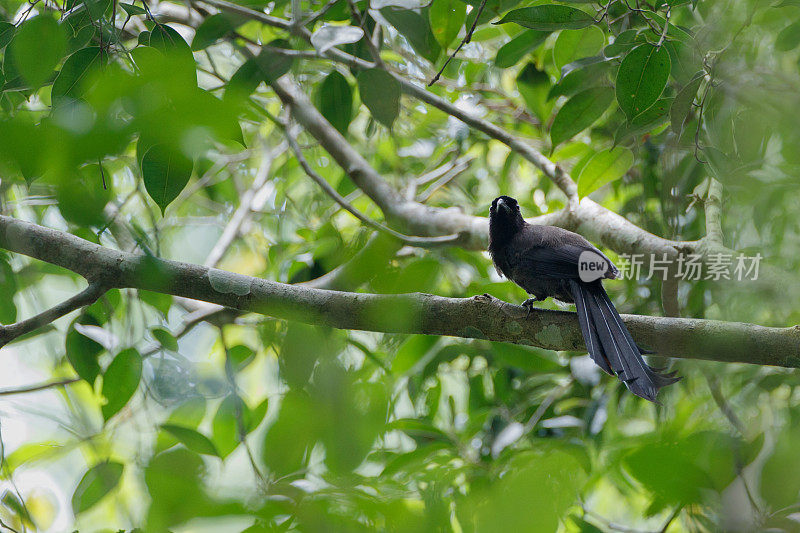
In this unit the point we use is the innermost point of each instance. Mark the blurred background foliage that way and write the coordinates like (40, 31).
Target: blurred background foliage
(152, 127)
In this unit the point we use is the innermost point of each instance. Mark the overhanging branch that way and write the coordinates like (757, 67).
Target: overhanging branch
(477, 317)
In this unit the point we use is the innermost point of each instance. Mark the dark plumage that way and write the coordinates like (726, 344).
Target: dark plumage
(544, 260)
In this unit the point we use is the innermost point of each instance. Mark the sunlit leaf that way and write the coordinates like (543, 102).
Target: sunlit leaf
(95, 484)
(132, 10)
(604, 167)
(120, 381)
(447, 18)
(193, 440)
(224, 428)
(416, 28)
(328, 36)
(576, 44)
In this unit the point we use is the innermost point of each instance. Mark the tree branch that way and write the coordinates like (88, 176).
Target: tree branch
(86, 297)
(39, 386)
(585, 216)
(330, 191)
(418, 218)
(482, 317)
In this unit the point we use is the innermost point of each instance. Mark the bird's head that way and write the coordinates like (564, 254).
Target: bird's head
(505, 219)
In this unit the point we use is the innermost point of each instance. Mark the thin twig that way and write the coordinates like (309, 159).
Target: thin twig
(241, 430)
(86, 297)
(330, 191)
(545, 405)
(38, 387)
(467, 39)
(242, 212)
(458, 167)
(666, 28)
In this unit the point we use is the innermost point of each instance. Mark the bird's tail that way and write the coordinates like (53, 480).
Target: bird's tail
(610, 344)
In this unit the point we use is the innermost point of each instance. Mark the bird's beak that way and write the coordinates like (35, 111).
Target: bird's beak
(502, 205)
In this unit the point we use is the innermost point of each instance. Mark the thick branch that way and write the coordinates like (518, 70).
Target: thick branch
(481, 317)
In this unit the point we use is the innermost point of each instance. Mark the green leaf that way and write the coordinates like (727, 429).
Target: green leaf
(212, 29)
(604, 167)
(645, 122)
(577, 44)
(380, 92)
(165, 338)
(549, 17)
(169, 42)
(8, 287)
(622, 43)
(293, 433)
(95, 484)
(82, 198)
(581, 75)
(165, 172)
(416, 29)
(641, 78)
(335, 101)
(788, 38)
(266, 67)
(72, 76)
(580, 112)
(241, 356)
(97, 8)
(82, 352)
(7, 31)
(193, 440)
(534, 85)
(37, 48)
(780, 475)
(447, 17)
(518, 47)
(160, 302)
(224, 428)
(132, 10)
(120, 381)
(411, 352)
(683, 103)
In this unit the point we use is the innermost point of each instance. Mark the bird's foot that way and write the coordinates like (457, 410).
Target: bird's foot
(528, 304)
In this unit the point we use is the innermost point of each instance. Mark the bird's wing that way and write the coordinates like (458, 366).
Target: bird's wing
(559, 262)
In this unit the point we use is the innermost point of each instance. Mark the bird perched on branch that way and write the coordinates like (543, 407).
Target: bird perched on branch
(548, 261)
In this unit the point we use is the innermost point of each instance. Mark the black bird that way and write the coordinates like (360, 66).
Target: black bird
(548, 261)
